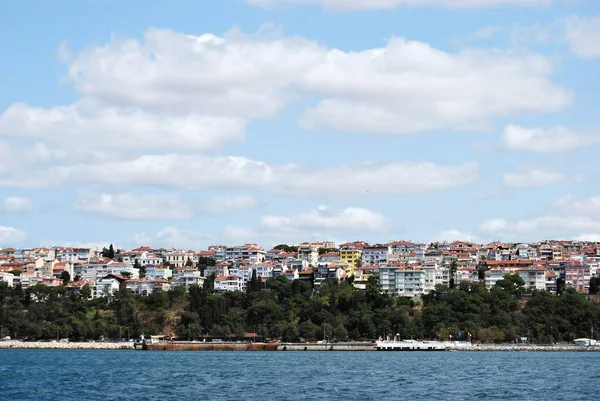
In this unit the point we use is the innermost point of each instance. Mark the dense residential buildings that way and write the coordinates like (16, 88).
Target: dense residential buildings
(402, 268)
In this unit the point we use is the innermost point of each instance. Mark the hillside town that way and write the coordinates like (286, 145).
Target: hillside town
(402, 268)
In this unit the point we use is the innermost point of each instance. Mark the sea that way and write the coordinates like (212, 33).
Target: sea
(304, 375)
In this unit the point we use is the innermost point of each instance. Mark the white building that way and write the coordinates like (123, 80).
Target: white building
(94, 272)
(375, 255)
(231, 282)
(7, 278)
(106, 286)
(158, 273)
(187, 278)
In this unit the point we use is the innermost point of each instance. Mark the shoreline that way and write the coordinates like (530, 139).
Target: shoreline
(12, 344)
(345, 347)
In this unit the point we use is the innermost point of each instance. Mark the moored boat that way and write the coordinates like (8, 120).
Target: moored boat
(410, 345)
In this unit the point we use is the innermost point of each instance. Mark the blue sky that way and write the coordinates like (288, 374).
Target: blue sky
(196, 123)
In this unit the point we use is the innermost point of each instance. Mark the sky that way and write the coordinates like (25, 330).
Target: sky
(190, 123)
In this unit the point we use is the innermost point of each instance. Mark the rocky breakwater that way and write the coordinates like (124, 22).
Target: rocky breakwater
(63, 345)
(524, 348)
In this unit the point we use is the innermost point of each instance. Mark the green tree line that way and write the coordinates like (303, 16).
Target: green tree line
(294, 311)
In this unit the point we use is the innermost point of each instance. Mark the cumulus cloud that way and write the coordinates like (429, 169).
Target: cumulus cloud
(172, 237)
(135, 207)
(10, 236)
(228, 204)
(570, 218)
(15, 204)
(80, 125)
(353, 5)
(526, 177)
(404, 87)
(199, 172)
(325, 218)
(546, 140)
(583, 36)
(453, 235)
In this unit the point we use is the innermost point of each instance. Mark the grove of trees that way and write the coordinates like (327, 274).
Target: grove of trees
(294, 311)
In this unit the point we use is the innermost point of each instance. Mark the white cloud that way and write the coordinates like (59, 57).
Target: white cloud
(10, 236)
(199, 172)
(15, 204)
(405, 87)
(135, 207)
(409, 87)
(172, 237)
(228, 204)
(525, 177)
(453, 235)
(353, 5)
(324, 218)
(545, 140)
(80, 125)
(583, 36)
(584, 207)
(570, 219)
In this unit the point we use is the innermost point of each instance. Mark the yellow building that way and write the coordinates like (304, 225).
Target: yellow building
(353, 257)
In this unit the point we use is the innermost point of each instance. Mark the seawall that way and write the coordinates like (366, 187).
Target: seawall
(63, 345)
(354, 346)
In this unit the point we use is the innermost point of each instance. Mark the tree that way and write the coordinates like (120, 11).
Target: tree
(452, 272)
(560, 285)
(126, 274)
(254, 284)
(189, 263)
(86, 292)
(286, 248)
(326, 250)
(108, 253)
(65, 276)
(594, 285)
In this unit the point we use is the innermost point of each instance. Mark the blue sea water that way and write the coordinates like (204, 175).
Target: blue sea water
(135, 375)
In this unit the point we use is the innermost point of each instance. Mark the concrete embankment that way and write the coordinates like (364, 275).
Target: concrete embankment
(62, 345)
(355, 346)
(525, 348)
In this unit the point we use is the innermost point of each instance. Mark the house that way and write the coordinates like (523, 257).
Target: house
(108, 285)
(577, 275)
(7, 278)
(468, 274)
(375, 255)
(309, 252)
(534, 278)
(146, 287)
(352, 256)
(187, 277)
(409, 281)
(492, 276)
(158, 272)
(291, 274)
(231, 282)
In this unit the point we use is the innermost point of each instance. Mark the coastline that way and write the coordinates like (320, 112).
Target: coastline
(345, 347)
(11, 344)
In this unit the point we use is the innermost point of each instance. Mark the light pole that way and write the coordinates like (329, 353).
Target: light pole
(254, 334)
(324, 336)
(394, 333)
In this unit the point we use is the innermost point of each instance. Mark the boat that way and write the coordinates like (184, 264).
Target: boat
(410, 345)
